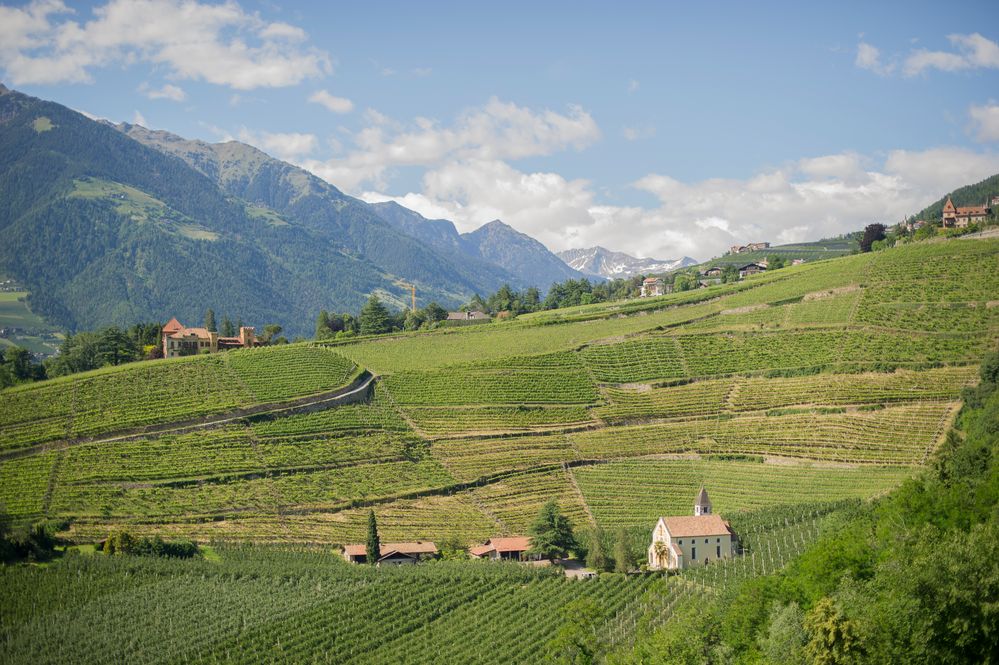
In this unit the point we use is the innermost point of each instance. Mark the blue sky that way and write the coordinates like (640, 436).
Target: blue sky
(656, 128)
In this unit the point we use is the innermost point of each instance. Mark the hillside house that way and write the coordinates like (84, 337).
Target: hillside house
(392, 554)
(797, 262)
(751, 269)
(961, 217)
(751, 247)
(653, 286)
(467, 318)
(512, 548)
(179, 340)
(683, 542)
(713, 271)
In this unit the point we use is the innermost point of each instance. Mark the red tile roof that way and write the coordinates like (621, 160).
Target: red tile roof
(511, 544)
(418, 547)
(187, 332)
(172, 326)
(480, 550)
(971, 210)
(696, 525)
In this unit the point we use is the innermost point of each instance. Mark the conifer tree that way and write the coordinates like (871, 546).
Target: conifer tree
(374, 546)
(551, 533)
(210, 324)
(227, 328)
(374, 317)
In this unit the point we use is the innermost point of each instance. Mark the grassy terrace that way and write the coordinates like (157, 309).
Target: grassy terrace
(832, 380)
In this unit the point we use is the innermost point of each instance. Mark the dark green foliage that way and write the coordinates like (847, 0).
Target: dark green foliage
(374, 317)
(122, 542)
(90, 350)
(623, 559)
(872, 234)
(551, 533)
(578, 641)
(373, 546)
(228, 330)
(210, 325)
(18, 366)
(27, 542)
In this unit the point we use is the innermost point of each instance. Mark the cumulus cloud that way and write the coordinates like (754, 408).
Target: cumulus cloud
(813, 198)
(973, 51)
(985, 121)
(289, 146)
(334, 104)
(869, 58)
(168, 91)
(496, 131)
(43, 42)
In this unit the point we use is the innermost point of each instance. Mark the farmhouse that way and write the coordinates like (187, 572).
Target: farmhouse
(653, 286)
(751, 247)
(465, 318)
(960, 217)
(713, 271)
(392, 553)
(752, 269)
(179, 340)
(512, 548)
(682, 542)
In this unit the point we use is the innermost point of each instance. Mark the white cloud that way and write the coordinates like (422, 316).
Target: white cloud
(633, 86)
(496, 131)
(139, 119)
(218, 43)
(985, 121)
(813, 198)
(334, 104)
(287, 146)
(973, 51)
(168, 91)
(869, 57)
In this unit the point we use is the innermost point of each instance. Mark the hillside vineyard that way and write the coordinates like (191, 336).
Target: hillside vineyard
(828, 381)
(795, 396)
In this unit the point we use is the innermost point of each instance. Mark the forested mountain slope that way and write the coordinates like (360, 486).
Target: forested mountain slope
(104, 229)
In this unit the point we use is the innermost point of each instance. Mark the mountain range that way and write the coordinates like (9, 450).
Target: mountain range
(600, 262)
(112, 224)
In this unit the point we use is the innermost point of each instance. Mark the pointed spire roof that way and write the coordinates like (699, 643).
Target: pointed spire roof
(702, 498)
(949, 205)
(172, 326)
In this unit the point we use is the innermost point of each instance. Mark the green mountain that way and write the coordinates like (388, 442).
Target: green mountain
(106, 225)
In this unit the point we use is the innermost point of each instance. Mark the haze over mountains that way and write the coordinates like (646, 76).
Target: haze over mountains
(600, 262)
(110, 224)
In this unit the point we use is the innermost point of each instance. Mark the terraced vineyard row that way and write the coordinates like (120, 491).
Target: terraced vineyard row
(638, 492)
(163, 392)
(493, 386)
(900, 435)
(750, 394)
(688, 356)
(438, 421)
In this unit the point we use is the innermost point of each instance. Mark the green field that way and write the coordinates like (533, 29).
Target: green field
(840, 377)
(33, 333)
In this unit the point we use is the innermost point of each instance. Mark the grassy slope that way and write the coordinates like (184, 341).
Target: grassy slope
(523, 410)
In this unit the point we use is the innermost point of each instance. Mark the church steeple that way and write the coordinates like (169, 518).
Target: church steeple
(703, 504)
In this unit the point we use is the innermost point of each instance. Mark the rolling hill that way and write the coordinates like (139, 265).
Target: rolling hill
(829, 380)
(792, 396)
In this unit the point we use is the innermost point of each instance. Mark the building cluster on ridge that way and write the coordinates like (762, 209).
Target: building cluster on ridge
(960, 217)
(179, 340)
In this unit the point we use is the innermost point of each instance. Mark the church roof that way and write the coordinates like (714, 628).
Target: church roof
(949, 205)
(693, 526)
(702, 498)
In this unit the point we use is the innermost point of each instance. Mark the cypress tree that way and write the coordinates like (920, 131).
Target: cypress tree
(210, 324)
(227, 328)
(622, 553)
(374, 547)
